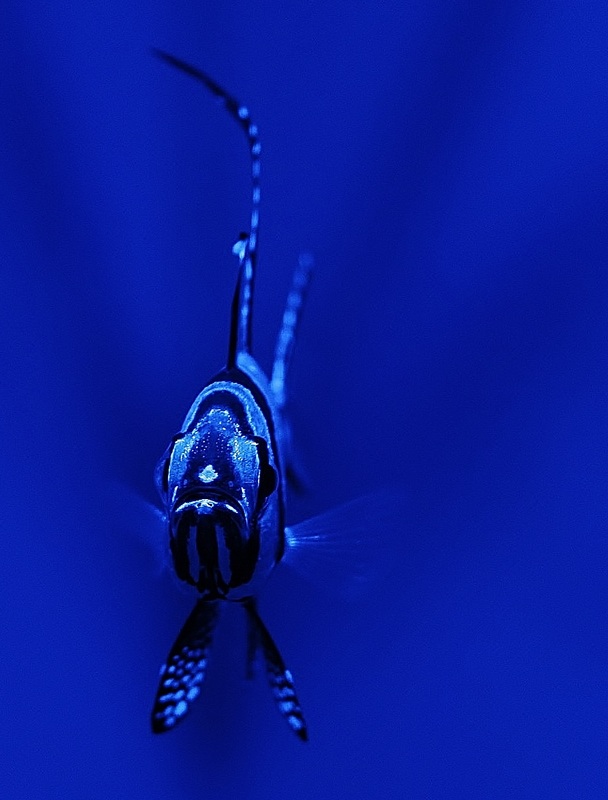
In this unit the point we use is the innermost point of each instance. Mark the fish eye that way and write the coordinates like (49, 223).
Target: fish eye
(165, 477)
(268, 481)
(161, 474)
(268, 474)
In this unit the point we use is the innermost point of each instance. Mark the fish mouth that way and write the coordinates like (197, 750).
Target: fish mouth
(210, 498)
(208, 534)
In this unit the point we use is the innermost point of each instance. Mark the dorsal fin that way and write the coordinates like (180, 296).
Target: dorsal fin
(242, 304)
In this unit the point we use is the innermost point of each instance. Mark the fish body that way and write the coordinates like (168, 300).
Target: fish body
(222, 480)
(222, 483)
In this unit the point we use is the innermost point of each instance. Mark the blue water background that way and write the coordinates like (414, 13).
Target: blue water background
(446, 164)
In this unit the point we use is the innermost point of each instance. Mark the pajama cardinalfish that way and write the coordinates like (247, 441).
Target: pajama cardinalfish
(223, 481)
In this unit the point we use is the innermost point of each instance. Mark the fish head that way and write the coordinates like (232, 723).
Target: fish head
(216, 482)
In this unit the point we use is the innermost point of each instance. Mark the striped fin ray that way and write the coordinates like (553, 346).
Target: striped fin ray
(246, 247)
(184, 671)
(279, 677)
(289, 326)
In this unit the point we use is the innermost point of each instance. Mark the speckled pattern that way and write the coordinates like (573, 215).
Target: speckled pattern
(279, 677)
(184, 671)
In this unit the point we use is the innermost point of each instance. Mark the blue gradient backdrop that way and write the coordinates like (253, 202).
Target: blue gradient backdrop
(446, 164)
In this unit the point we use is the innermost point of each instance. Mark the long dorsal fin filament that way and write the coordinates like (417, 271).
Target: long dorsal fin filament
(242, 304)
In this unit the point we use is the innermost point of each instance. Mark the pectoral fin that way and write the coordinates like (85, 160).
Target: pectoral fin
(348, 549)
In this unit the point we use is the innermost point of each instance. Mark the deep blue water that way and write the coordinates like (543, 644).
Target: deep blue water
(446, 164)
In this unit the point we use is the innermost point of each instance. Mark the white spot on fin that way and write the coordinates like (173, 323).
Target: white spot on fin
(181, 708)
(239, 248)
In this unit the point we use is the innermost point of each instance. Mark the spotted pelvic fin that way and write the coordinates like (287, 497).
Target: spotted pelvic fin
(279, 677)
(184, 671)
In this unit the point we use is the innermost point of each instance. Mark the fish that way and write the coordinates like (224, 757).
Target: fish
(224, 477)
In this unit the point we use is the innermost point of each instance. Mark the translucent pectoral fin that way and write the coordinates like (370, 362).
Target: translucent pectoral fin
(184, 671)
(136, 518)
(279, 678)
(346, 550)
